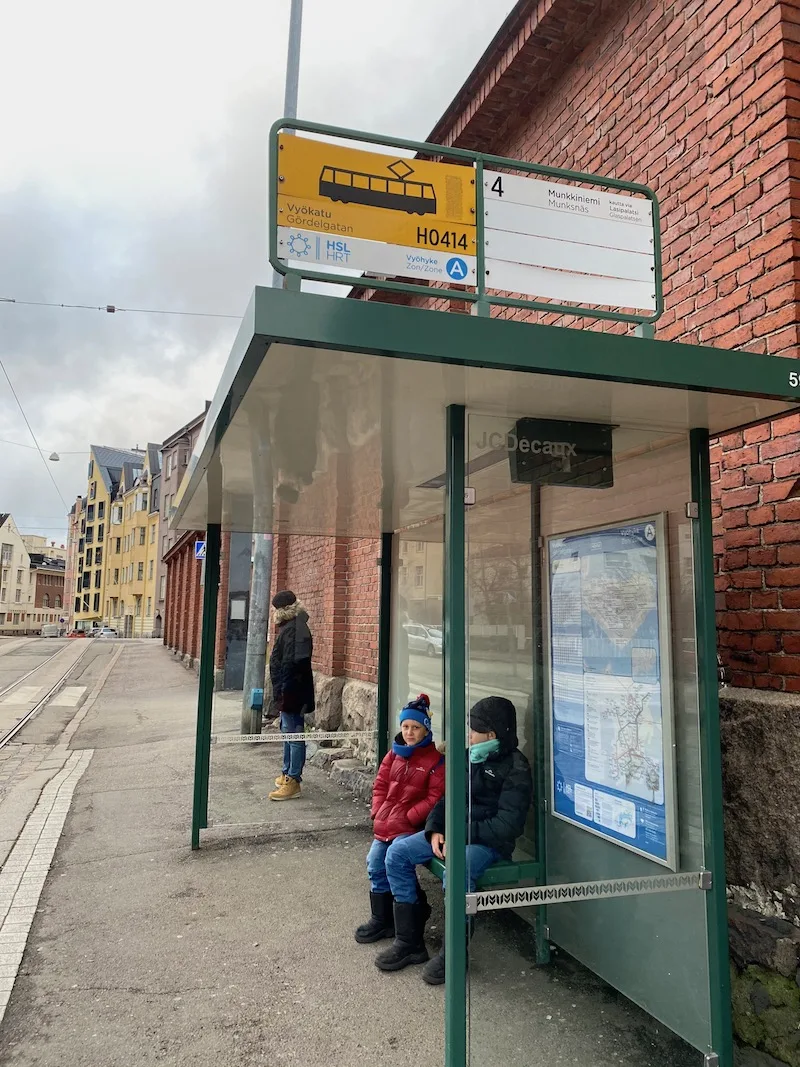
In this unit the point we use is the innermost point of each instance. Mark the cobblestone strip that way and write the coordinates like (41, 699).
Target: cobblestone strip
(23, 875)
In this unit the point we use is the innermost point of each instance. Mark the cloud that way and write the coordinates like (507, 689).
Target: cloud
(134, 174)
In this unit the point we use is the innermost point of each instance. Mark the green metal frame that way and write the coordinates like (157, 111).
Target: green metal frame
(539, 718)
(384, 645)
(455, 684)
(710, 751)
(205, 689)
(479, 160)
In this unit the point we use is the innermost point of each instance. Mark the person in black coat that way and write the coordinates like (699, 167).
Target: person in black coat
(292, 687)
(500, 791)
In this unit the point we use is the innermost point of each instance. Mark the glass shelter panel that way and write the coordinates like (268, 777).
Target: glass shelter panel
(581, 613)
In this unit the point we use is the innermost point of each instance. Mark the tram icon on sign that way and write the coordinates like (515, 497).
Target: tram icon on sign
(396, 193)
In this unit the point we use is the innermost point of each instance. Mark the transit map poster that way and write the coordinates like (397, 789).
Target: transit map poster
(611, 707)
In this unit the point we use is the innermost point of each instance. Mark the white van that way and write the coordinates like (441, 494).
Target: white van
(51, 629)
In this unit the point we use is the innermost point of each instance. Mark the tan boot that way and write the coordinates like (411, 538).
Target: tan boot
(280, 779)
(288, 791)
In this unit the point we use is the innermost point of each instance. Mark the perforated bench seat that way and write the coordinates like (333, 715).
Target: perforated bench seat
(504, 872)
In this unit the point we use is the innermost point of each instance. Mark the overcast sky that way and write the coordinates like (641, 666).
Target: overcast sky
(133, 172)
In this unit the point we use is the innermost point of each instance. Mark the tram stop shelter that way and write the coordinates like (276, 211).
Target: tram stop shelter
(560, 477)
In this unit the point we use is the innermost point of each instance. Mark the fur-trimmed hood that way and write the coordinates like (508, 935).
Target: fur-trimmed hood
(292, 611)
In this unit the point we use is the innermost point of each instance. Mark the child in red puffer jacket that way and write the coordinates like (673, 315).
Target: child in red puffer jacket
(409, 783)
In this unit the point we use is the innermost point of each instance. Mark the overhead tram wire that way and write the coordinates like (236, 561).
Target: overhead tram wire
(112, 309)
(33, 435)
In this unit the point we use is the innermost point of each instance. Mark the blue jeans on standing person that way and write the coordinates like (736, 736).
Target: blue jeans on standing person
(294, 752)
(406, 853)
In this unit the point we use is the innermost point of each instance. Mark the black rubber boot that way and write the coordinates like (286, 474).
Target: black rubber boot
(433, 971)
(381, 924)
(409, 939)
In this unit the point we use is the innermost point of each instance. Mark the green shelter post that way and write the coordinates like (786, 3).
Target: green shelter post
(710, 749)
(455, 684)
(205, 691)
(384, 646)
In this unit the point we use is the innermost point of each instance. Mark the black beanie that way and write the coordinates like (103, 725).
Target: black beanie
(284, 599)
(495, 715)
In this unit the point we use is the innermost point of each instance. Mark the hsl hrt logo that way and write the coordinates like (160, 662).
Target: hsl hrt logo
(337, 251)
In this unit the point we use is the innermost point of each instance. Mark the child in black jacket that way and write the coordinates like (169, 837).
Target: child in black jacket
(500, 795)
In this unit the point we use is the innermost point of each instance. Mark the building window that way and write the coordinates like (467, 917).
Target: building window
(420, 546)
(418, 577)
(79, 585)
(96, 602)
(101, 532)
(57, 603)
(98, 579)
(18, 596)
(77, 605)
(19, 577)
(142, 535)
(162, 587)
(138, 607)
(116, 515)
(170, 464)
(164, 545)
(154, 504)
(101, 509)
(153, 534)
(6, 555)
(149, 607)
(89, 556)
(116, 576)
(16, 616)
(3, 593)
(117, 545)
(91, 468)
(46, 601)
(139, 571)
(93, 490)
(98, 554)
(5, 574)
(80, 563)
(90, 513)
(81, 543)
(90, 535)
(150, 570)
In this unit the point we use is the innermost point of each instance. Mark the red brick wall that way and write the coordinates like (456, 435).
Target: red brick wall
(700, 100)
(183, 622)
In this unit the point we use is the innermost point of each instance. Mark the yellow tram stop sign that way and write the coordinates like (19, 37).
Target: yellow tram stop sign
(369, 211)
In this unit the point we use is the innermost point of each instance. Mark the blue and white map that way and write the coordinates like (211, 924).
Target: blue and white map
(608, 743)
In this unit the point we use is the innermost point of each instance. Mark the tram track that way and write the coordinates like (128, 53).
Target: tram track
(11, 733)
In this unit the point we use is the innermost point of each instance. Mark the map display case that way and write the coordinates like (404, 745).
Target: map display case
(609, 691)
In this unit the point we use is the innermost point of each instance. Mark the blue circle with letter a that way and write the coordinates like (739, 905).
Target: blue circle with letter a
(456, 268)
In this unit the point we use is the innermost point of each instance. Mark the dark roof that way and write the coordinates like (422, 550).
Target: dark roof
(111, 461)
(195, 422)
(41, 562)
(154, 459)
(4, 515)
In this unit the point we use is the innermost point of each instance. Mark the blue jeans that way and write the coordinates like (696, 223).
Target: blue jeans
(376, 865)
(294, 752)
(405, 853)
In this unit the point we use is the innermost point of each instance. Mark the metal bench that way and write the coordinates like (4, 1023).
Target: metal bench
(504, 872)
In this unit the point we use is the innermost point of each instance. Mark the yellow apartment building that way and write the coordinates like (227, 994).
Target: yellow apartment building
(132, 554)
(103, 481)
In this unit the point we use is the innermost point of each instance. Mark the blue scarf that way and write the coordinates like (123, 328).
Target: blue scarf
(407, 750)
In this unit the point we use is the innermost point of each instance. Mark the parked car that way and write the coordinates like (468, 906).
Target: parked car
(51, 629)
(425, 639)
(107, 632)
(77, 633)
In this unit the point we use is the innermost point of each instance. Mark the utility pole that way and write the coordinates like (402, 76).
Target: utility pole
(261, 578)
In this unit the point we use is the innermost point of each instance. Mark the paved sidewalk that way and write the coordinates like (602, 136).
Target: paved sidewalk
(144, 953)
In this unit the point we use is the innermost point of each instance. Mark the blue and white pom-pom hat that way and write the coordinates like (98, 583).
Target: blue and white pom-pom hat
(418, 710)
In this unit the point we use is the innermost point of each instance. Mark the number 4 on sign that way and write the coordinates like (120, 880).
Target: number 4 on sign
(497, 186)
